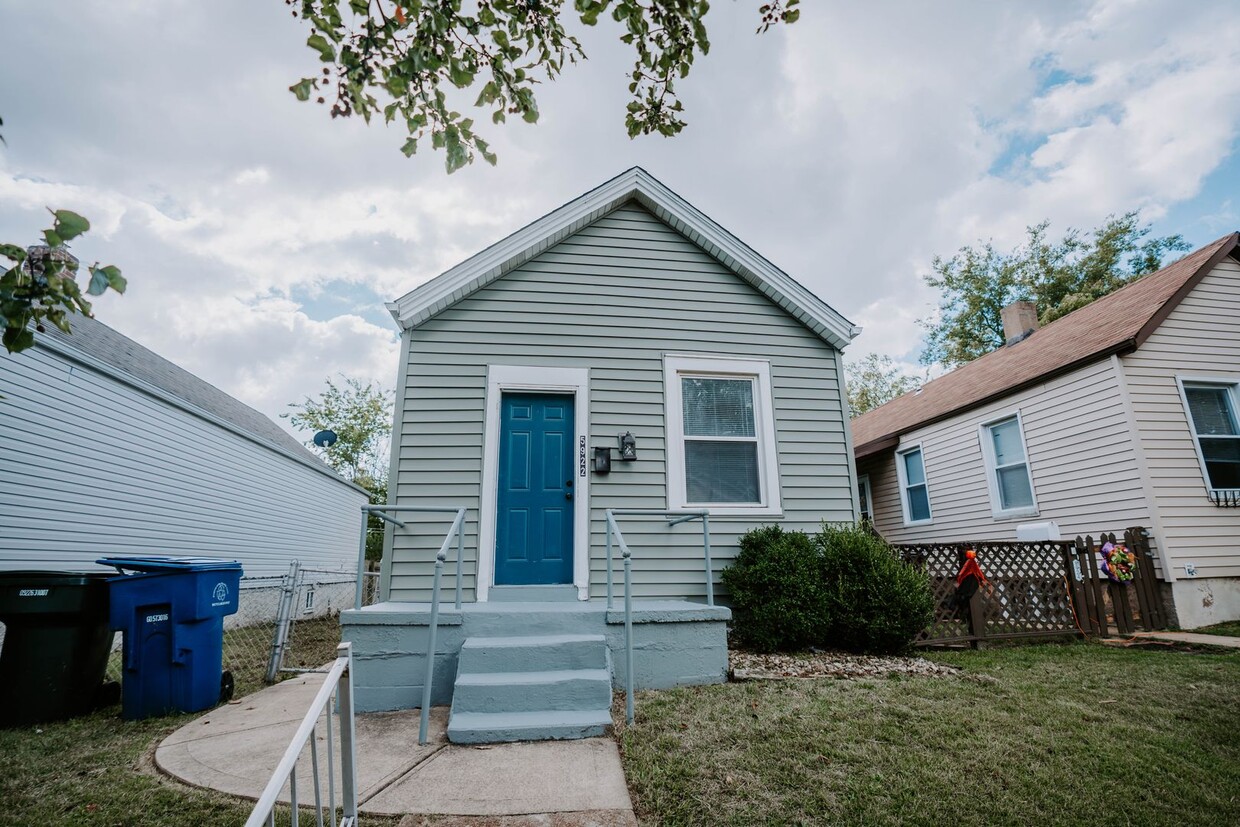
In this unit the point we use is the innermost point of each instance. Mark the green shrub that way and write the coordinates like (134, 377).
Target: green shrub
(877, 603)
(776, 588)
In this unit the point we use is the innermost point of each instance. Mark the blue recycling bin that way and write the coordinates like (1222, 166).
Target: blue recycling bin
(172, 610)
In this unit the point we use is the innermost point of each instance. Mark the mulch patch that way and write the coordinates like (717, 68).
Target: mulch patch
(747, 666)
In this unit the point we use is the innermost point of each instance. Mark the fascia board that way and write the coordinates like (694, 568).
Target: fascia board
(477, 271)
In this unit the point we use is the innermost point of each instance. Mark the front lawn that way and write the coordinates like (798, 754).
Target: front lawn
(1230, 629)
(1052, 734)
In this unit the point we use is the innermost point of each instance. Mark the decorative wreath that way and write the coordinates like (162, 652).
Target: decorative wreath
(1118, 563)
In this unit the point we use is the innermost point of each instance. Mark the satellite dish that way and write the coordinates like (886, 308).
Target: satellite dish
(325, 439)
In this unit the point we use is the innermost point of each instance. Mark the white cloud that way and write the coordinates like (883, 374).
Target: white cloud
(849, 149)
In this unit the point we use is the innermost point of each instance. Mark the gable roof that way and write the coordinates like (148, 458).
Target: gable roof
(100, 347)
(1116, 323)
(635, 184)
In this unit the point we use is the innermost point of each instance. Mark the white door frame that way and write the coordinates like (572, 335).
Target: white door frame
(575, 381)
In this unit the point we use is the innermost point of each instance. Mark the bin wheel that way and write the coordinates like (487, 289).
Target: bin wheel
(226, 687)
(108, 694)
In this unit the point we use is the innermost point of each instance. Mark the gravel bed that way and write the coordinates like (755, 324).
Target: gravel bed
(748, 666)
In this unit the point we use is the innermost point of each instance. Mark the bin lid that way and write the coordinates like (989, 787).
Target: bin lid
(169, 564)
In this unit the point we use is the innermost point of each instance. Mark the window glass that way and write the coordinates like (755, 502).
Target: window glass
(1014, 488)
(1212, 414)
(717, 407)
(1010, 468)
(1006, 437)
(918, 503)
(1212, 410)
(863, 497)
(914, 471)
(722, 472)
(916, 494)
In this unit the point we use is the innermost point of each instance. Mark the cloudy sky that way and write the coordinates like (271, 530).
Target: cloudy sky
(261, 238)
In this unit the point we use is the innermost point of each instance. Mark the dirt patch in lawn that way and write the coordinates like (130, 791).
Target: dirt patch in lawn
(749, 666)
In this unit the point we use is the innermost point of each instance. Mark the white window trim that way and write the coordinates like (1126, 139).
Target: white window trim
(903, 478)
(863, 481)
(674, 365)
(575, 381)
(992, 476)
(1232, 384)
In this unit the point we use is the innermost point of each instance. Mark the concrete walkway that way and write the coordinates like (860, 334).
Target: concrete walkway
(236, 747)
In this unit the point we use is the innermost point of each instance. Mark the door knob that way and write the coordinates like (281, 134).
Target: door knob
(568, 495)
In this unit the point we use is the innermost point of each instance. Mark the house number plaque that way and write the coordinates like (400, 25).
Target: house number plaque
(581, 456)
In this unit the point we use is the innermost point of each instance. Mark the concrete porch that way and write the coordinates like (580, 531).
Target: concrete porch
(675, 642)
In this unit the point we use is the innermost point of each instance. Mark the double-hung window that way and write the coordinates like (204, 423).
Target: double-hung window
(1007, 468)
(915, 492)
(721, 435)
(1212, 413)
(863, 499)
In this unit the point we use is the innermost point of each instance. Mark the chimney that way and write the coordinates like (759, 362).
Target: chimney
(1019, 320)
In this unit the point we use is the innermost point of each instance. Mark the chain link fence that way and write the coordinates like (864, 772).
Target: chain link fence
(284, 625)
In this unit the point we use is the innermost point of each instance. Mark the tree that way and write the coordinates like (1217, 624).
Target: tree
(978, 282)
(41, 285)
(361, 417)
(873, 381)
(414, 53)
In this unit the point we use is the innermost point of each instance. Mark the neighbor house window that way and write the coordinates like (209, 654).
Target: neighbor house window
(1212, 414)
(863, 498)
(1007, 468)
(911, 469)
(721, 435)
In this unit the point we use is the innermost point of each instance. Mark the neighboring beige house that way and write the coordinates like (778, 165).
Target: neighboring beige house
(1123, 413)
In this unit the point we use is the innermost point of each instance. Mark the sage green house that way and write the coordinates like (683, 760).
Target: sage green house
(622, 353)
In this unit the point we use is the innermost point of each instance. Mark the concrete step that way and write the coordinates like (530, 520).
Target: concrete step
(532, 594)
(540, 652)
(490, 727)
(548, 691)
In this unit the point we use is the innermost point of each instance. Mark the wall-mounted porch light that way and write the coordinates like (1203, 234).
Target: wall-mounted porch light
(626, 445)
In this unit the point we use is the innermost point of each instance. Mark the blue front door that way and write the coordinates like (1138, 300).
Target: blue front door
(534, 526)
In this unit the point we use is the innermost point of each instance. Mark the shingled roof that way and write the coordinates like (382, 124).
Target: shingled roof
(129, 360)
(1117, 323)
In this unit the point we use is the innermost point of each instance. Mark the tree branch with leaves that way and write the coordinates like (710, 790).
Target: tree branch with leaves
(1059, 276)
(413, 53)
(41, 283)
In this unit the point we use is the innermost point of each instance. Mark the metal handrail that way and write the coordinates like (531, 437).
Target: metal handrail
(381, 511)
(441, 555)
(338, 685)
(613, 528)
(674, 517)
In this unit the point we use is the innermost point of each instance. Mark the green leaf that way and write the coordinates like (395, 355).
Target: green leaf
(113, 275)
(52, 238)
(12, 252)
(70, 225)
(327, 52)
(17, 339)
(410, 147)
(98, 282)
(303, 88)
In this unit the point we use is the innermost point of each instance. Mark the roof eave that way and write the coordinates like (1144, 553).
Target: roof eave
(436, 295)
(1230, 248)
(891, 440)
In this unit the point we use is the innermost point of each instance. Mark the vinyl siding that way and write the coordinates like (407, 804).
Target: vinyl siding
(613, 298)
(1200, 338)
(1081, 457)
(92, 466)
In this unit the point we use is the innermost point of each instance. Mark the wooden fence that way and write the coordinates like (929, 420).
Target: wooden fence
(1037, 589)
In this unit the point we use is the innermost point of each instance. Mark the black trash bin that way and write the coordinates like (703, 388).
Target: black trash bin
(56, 644)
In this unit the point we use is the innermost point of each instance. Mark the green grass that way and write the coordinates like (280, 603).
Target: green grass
(99, 770)
(1053, 734)
(1231, 629)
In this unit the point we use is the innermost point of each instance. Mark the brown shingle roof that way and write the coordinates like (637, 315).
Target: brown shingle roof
(1115, 323)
